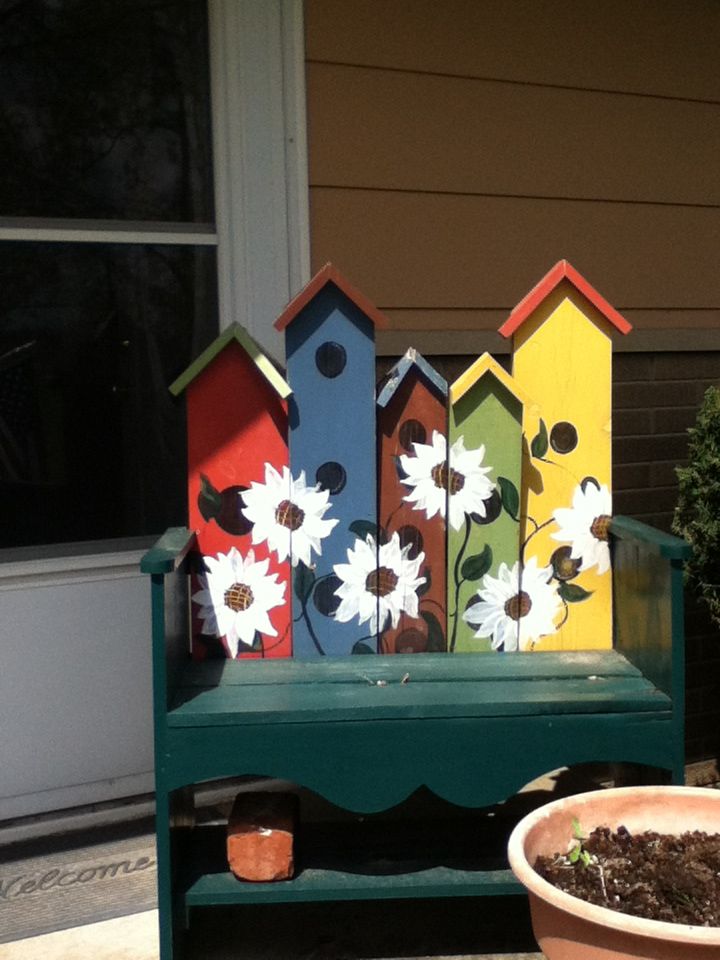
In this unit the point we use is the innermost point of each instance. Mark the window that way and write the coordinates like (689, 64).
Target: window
(153, 188)
(107, 261)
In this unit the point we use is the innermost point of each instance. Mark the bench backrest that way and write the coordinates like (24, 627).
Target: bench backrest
(339, 516)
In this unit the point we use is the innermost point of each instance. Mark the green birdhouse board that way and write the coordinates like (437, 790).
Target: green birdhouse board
(483, 487)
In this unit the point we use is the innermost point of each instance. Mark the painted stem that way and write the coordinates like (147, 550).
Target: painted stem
(538, 528)
(459, 580)
(313, 636)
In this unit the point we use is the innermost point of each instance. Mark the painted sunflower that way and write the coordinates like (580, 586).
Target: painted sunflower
(288, 514)
(236, 597)
(456, 483)
(585, 526)
(515, 608)
(378, 584)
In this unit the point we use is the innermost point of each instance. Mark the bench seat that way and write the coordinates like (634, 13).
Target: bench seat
(417, 686)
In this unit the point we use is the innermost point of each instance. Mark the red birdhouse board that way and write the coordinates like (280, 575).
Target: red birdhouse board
(412, 417)
(237, 447)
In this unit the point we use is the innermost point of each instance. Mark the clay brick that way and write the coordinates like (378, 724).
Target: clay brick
(633, 366)
(260, 836)
(650, 449)
(627, 423)
(662, 473)
(687, 366)
(631, 476)
(634, 502)
(678, 393)
(674, 420)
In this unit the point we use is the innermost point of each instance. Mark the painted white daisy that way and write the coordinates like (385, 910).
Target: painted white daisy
(377, 584)
(515, 608)
(236, 597)
(288, 514)
(585, 526)
(457, 482)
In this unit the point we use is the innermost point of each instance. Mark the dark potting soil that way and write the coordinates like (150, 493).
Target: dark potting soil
(651, 875)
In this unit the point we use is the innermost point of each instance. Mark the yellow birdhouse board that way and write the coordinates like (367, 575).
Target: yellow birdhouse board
(562, 357)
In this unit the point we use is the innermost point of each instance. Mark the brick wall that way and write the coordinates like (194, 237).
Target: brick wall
(655, 399)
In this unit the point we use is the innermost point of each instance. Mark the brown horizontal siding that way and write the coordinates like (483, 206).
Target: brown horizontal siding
(481, 318)
(411, 250)
(665, 49)
(393, 130)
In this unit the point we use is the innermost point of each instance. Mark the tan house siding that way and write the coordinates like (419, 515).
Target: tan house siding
(458, 149)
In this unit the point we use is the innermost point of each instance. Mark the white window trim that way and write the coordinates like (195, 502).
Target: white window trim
(56, 230)
(257, 56)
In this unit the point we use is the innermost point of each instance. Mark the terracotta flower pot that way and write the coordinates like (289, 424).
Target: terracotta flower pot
(571, 929)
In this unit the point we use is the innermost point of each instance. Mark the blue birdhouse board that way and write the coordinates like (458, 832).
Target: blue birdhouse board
(330, 355)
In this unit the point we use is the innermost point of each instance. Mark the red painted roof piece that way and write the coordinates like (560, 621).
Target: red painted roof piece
(562, 271)
(330, 274)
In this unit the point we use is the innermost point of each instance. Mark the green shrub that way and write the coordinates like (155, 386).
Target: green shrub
(697, 514)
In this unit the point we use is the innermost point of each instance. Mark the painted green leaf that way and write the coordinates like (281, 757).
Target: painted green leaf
(209, 499)
(510, 497)
(539, 445)
(303, 581)
(573, 593)
(423, 588)
(436, 637)
(361, 528)
(362, 648)
(477, 566)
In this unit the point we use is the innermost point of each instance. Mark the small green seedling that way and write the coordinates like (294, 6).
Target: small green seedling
(578, 851)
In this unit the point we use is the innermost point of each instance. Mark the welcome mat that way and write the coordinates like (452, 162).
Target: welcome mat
(67, 881)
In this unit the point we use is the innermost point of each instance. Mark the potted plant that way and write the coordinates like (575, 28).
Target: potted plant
(697, 514)
(568, 928)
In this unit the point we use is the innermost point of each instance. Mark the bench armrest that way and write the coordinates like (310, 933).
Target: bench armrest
(648, 606)
(168, 553)
(664, 544)
(167, 563)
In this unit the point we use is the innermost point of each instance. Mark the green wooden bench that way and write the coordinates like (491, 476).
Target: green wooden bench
(473, 729)
(366, 732)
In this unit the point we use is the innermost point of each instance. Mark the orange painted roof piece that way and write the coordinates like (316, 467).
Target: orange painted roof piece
(330, 274)
(563, 270)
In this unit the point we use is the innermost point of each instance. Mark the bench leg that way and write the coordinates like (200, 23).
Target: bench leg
(173, 919)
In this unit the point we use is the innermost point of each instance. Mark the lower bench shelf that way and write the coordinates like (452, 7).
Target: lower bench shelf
(371, 869)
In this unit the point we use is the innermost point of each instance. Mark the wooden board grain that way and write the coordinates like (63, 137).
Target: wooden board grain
(588, 45)
(237, 422)
(486, 411)
(672, 263)
(412, 408)
(562, 356)
(331, 369)
(449, 134)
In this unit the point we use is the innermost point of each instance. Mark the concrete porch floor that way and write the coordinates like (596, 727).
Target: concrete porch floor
(135, 938)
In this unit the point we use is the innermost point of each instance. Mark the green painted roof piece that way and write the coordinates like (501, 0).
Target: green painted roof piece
(234, 332)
